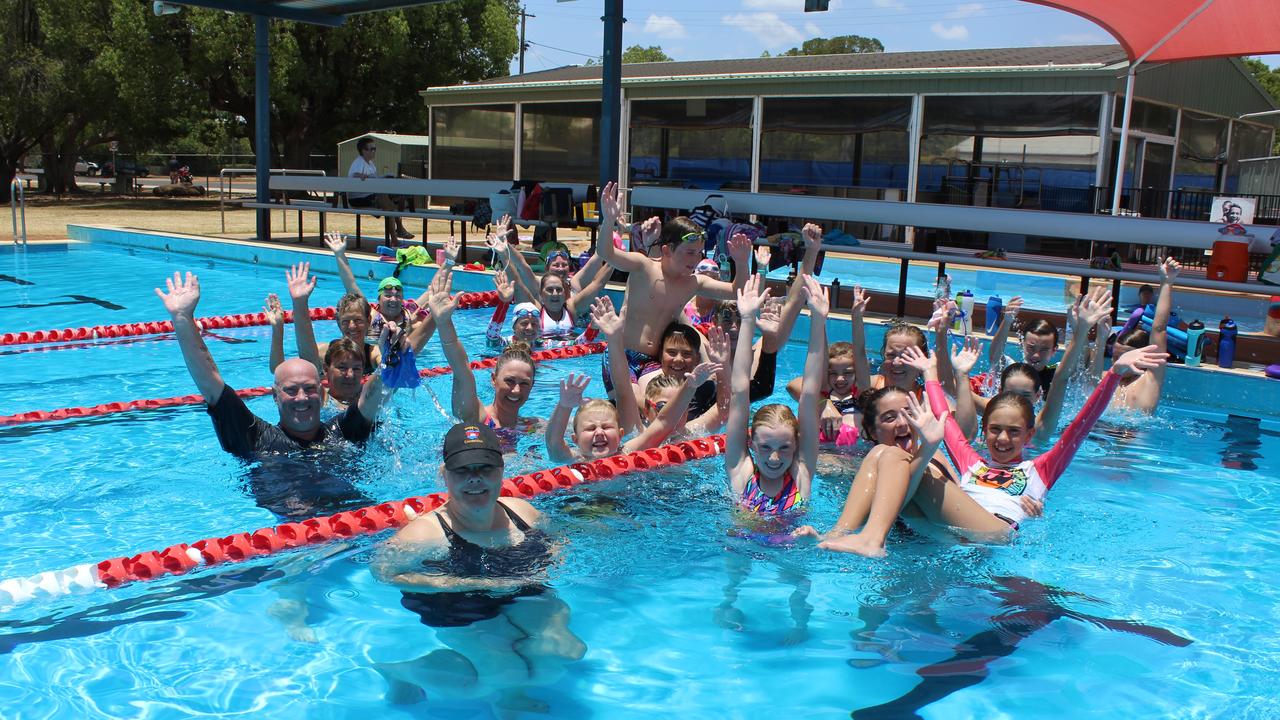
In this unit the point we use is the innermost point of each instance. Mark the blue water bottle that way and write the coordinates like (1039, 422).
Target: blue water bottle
(995, 307)
(583, 258)
(1226, 342)
(1195, 343)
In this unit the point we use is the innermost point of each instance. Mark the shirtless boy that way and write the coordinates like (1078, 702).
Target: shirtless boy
(658, 288)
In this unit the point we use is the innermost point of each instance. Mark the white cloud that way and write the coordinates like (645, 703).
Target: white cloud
(950, 32)
(771, 30)
(665, 26)
(967, 10)
(812, 29)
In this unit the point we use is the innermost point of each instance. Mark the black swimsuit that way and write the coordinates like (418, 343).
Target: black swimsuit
(467, 559)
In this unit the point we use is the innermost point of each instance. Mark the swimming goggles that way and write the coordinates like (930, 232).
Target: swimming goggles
(557, 253)
(525, 310)
(699, 236)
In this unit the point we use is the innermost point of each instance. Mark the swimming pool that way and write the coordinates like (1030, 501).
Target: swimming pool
(1168, 526)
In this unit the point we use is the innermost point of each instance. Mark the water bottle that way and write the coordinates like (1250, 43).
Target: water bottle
(964, 303)
(1226, 342)
(1195, 343)
(583, 258)
(835, 293)
(995, 308)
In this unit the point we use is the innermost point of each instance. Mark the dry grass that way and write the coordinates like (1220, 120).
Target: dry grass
(48, 217)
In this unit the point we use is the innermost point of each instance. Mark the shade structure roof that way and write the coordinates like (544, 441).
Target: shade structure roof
(1222, 28)
(319, 12)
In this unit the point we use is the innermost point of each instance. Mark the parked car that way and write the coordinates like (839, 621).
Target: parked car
(86, 167)
(127, 167)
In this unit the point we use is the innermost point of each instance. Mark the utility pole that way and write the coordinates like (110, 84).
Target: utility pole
(524, 16)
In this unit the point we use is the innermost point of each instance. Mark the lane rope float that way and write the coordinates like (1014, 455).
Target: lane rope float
(238, 547)
(466, 301)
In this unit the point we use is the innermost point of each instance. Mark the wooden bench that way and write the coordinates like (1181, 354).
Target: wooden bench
(324, 195)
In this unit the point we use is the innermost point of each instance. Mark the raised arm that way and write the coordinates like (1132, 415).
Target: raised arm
(1098, 357)
(740, 251)
(995, 355)
(275, 316)
(1093, 307)
(613, 325)
(301, 283)
(571, 389)
(500, 243)
(373, 393)
(466, 405)
(180, 301)
(944, 310)
(815, 366)
(506, 293)
(737, 461)
(957, 444)
(668, 418)
(337, 243)
(962, 363)
(595, 265)
(610, 211)
(717, 347)
(1146, 396)
(581, 300)
(858, 338)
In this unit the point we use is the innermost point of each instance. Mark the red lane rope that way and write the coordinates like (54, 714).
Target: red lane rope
(112, 408)
(183, 557)
(215, 322)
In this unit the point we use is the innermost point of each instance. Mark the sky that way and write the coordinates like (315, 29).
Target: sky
(569, 33)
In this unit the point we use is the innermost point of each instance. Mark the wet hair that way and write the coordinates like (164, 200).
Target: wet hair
(727, 306)
(1010, 398)
(516, 351)
(542, 282)
(363, 143)
(684, 332)
(840, 349)
(1040, 326)
(355, 301)
(1023, 369)
(868, 401)
(901, 328)
(774, 414)
(343, 346)
(1146, 289)
(591, 406)
(1134, 338)
(674, 229)
(661, 382)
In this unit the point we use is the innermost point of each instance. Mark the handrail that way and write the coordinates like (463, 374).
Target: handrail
(224, 183)
(1044, 223)
(18, 205)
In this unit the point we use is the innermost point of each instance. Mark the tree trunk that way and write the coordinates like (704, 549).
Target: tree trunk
(8, 170)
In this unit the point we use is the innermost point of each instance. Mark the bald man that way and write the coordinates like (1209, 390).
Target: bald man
(296, 389)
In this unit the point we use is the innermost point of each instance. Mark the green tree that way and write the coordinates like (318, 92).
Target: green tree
(328, 84)
(1269, 79)
(839, 45)
(638, 54)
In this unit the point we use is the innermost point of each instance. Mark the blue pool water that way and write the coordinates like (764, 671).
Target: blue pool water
(1164, 528)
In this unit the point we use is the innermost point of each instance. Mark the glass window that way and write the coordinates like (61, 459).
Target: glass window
(1147, 117)
(473, 142)
(1023, 151)
(561, 142)
(704, 143)
(1247, 141)
(835, 142)
(1202, 150)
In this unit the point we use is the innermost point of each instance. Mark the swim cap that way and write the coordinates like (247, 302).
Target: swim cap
(707, 266)
(525, 309)
(390, 282)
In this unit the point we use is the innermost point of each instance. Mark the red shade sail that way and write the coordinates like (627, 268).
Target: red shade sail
(1224, 28)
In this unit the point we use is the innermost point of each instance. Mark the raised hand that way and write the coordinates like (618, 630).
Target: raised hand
(1093, 308)
(275, 313)
(1015, 305)
(860, 299)
(770, 315)
(750, 298)
(920, 416)
(571, 389)
(451, 249)
(610, 207)
(610, 323)
(1139, 360)
(763, 253)
(740, 250)
(717, 346)
(301, 281)
(964, 360)
(497, 243)
(917, 359)
(944, 310)
(816, 296)
(701, 373)
(182, 296)
(812, 234)
(1169, 270)
(439, 300)
(337, 242)
(506, 289)
(650, 230)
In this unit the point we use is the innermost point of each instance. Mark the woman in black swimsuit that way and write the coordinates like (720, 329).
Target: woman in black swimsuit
(474, 570)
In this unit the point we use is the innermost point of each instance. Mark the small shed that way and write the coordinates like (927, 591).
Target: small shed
(395, 151)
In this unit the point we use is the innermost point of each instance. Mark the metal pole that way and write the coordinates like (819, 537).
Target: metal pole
(611, 92)
(1118, 180)
(902, 288)
(262, 122)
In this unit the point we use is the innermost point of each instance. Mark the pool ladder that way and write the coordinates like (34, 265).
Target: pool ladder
(18, 206)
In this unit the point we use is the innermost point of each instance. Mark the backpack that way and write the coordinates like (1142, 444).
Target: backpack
(532, 207)
(711, 209)
(483, 215)
(557, 206)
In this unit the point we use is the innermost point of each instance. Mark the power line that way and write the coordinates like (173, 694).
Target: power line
(571, 52)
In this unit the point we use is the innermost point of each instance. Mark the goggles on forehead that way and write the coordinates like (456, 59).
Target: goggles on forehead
(557, 253)
(699, 236)
(525, 310)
